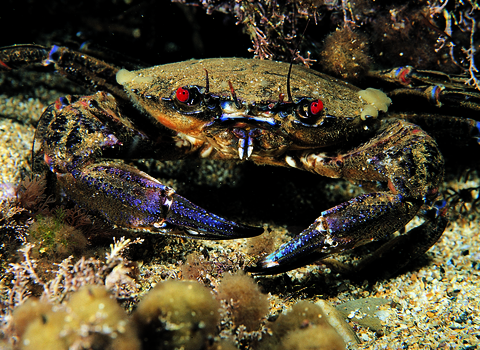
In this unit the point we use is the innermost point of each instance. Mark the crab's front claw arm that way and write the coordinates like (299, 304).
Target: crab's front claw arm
(132, 199)
(363, 219)
(339, 229)
(410, 166)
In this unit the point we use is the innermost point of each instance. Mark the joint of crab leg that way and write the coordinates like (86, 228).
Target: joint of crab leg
(53, 56)
(440, 208)
(403, 74)
(433, 93)
(199, 223)
(476, 132)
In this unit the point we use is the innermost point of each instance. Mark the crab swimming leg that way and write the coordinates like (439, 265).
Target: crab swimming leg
(74, 137)
(403, 157)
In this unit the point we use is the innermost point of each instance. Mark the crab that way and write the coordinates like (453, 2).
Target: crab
(265, 112)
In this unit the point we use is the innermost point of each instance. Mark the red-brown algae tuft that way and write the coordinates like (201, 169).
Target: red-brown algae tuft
(263, 244)
(345, 54)
(196, 267)
(243, 300)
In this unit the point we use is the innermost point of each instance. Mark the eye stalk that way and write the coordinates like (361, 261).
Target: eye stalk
(308, 111)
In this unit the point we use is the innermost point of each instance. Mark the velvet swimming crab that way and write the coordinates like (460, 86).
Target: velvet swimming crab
(250, 110)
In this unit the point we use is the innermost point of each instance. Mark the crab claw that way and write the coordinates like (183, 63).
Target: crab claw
(196, 222)
(131, 199)
(308, 247)
(363, 219)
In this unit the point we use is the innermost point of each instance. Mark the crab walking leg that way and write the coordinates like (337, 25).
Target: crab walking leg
(77, 137)
(403, 157)
(75, 66)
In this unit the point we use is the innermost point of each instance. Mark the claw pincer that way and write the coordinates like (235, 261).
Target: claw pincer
(132, 199)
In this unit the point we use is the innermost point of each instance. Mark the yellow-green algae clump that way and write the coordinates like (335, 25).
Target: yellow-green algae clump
(54, 239)
(177, 315)
(303, 327)
(173, 315)
(90, 319)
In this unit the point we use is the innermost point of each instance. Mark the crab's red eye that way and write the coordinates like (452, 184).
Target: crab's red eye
(316, 107)
(182, 94)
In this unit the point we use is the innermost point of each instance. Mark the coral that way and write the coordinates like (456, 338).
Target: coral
(26, 313)
(44, 329)
(244, 301)
(303, 327)
(90, 319)
(437, 34)
(105, 320)
(345, 54)
(272, 27)
(177, 314)
(320, 337)
(76, 310)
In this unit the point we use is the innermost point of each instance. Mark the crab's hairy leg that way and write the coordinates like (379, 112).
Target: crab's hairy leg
(450, 132)
(22, 56)
(403, 157)
(76, 66)
(73, 138)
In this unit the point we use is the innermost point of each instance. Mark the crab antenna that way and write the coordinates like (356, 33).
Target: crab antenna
(289, 93)
(207, 84)
(234, 95)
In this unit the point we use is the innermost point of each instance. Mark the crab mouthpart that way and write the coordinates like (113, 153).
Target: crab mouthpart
(245, 141)
(246, 129)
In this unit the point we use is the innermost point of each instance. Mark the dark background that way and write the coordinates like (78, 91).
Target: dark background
(152, 31)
